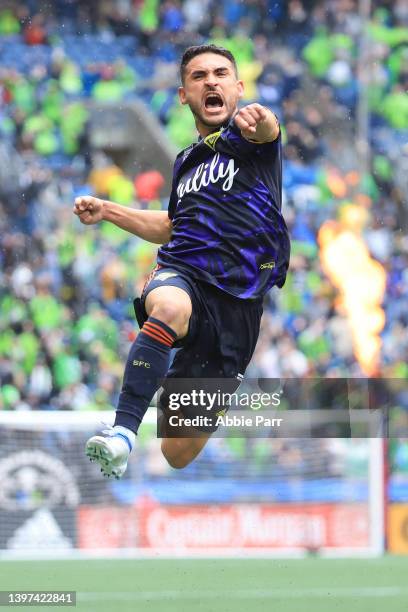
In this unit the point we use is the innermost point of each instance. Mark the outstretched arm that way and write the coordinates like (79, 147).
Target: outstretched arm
(151, 225)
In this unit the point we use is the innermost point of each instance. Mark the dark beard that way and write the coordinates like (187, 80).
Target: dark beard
(197, 116)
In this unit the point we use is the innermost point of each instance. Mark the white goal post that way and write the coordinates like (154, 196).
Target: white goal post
(269, 498)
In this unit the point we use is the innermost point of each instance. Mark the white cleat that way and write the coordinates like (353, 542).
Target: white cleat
(111, 452)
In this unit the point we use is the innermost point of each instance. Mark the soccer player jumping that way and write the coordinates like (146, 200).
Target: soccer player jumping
(224, 245)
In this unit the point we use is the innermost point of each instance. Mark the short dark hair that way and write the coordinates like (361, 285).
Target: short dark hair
(191, 52)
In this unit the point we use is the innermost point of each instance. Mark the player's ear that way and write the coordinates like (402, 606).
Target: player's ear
(182, 95)
(240, 87)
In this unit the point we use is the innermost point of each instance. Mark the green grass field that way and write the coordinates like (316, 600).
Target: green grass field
(183, 585)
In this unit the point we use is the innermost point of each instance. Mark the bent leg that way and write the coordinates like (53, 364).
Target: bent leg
(169, 309)
(172, 306)
(176, 313)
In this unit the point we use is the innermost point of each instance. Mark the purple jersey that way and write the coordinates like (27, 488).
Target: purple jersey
(225, 206)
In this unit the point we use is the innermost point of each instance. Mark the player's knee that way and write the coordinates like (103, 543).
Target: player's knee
(178, 463)
(174, 455)
(172, 314)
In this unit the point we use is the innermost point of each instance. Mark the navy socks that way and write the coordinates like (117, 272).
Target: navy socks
(147, 364)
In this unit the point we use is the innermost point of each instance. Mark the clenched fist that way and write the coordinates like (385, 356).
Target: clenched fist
(89, 209)
(257, 123)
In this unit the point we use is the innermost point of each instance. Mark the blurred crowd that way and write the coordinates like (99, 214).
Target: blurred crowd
(66, 290)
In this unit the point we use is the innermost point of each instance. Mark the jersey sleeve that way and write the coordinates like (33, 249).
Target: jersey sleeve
(171, 211)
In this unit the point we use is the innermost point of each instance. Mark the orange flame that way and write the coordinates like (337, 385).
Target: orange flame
(361, 282)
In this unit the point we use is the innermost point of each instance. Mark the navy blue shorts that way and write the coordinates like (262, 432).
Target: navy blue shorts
(221, 339)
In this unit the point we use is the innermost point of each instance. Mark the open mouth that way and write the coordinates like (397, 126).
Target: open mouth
(213, 101)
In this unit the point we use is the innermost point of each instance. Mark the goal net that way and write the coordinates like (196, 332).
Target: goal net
(239, 497)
